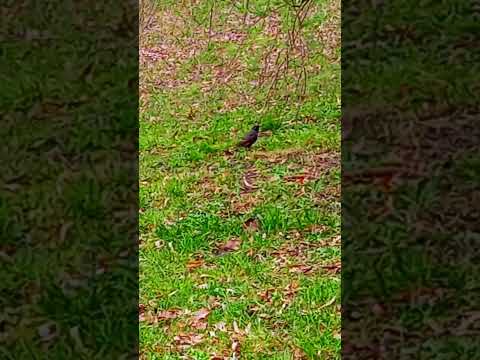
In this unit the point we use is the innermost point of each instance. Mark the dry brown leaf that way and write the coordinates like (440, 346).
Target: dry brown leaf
(236, 329)
(141, 308)
(218, 357)
(201, 314)
(251, 224)
(247, 184)
(335, 267)
(214, 302)
(187, 340)
(300, 179)
(244, 204)
(195, 263)
(198, 320)
(248, 180)
(221, 326)
(305, 269)
(291, 290)
(378, 309)
(316, 228)
(267, 295)
(199, 325)
(230, 245)
(169, 314)
(148, 316)
(471, 318)
(236, 347)
(299, 354)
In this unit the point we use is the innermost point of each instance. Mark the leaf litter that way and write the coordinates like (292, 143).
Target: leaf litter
(229, 246)
(198, 319)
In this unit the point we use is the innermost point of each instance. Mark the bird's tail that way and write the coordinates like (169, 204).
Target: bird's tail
(242, 143)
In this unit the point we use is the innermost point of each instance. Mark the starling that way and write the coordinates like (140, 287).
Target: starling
(250, 138)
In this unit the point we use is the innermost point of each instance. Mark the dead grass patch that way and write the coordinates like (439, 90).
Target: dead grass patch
(245, 204)
(329, 194)
(279, 156)
(295, 255)
(210, 186)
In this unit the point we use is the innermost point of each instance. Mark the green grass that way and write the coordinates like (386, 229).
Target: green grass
(192, 201)
(65, 129)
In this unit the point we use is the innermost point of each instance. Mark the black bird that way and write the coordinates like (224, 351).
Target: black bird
(250, 138)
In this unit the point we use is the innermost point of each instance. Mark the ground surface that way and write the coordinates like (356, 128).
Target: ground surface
(240, 250)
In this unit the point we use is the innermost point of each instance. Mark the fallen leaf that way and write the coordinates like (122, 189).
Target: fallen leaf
(305, 269)
(378, 309)
(235, 327)
(168, 314)
(199, 319)
(186, 340)
(248, 180)
(48, 331)
(335, 267)
(141, 308)
(471, 318)
(296, 178)
(267, 295)
(251, 224)
(195, 263)
(201, 314)
(247, 184)
(221, 326)
(291, 289)
(145, 317)
(299, 354)
(235, 347)
(317, 228)
(199, 325)
(230, 245)
(214, 302)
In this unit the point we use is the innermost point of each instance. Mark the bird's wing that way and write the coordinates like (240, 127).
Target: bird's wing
(252, 135)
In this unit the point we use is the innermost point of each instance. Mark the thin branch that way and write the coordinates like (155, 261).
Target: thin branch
(210, 24)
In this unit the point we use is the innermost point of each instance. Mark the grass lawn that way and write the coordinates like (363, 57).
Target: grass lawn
(239, 249)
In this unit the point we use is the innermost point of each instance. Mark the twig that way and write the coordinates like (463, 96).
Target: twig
(210, 22)
(247, 5)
